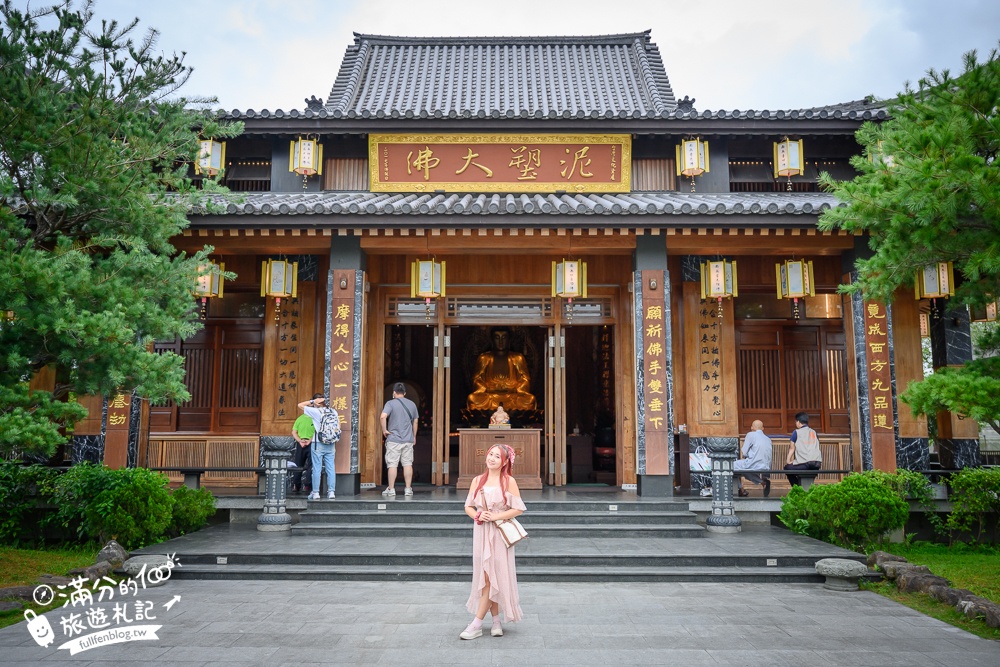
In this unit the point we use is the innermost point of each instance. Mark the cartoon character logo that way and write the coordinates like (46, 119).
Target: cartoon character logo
(39, 628)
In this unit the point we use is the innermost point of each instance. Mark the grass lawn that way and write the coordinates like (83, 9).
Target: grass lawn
(975, 569)
(21, 567)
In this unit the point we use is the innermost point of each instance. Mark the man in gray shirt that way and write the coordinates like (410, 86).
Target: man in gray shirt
(399, 428)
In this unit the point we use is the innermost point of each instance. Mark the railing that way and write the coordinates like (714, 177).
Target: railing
(228, 461)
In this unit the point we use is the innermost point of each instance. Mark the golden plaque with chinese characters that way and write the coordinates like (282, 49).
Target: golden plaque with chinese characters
(572, 163)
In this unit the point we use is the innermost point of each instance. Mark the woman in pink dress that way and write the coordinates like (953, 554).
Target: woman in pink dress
(493, 495)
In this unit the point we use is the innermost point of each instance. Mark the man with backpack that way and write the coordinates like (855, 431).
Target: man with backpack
(327, 424)
(399, 428)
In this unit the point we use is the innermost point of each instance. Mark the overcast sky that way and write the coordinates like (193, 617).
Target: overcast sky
(727, 54)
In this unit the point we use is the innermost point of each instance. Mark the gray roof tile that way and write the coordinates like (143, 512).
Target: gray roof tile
(531, 206)
(604, 76)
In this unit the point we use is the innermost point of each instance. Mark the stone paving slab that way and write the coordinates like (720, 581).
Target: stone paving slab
(417, 623)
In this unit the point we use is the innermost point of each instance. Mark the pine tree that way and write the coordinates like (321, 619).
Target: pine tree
(928, 192)
(94, 157)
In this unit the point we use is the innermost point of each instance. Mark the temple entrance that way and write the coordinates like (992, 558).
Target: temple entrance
(590, 405)
(410, 358)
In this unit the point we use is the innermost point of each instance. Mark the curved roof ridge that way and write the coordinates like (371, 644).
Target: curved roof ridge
(456, 40)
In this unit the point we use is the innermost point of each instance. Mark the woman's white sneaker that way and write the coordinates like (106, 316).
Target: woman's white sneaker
(496, 630)
(471, 632)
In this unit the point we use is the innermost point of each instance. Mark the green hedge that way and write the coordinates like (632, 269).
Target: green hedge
(95, 503)
(855, 513)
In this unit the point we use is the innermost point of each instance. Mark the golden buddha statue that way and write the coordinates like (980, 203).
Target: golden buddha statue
(501, 376)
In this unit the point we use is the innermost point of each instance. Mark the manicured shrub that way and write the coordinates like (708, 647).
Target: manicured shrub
(855, 513)
(131, 505)
(191, 509)
(975, 500)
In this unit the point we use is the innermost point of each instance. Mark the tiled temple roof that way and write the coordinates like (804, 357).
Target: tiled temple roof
(459, 204)
(502, 77)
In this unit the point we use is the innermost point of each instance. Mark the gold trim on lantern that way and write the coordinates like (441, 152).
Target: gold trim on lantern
(935, 281)
(718, 279)
(987, 313)
(789, 158)
(692, 157)
(279, 278)
(794, 279)
(427, 279)
(210, 282)
(211, 157)
(305, 157)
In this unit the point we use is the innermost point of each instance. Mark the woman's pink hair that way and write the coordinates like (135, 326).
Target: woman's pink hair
(506, 468)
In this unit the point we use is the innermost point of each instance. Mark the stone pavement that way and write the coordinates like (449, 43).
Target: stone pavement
(417, 623)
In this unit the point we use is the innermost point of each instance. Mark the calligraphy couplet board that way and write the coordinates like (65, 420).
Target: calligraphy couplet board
(655, 354)
(711, 389)
(342, 360)
(500, 162)
(879, 386)
(116, 433)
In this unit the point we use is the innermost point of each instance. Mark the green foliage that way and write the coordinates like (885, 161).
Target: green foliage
(191, 509)
(91, 144)
(928, 192)
(975, 499)
(20, 487)
(131, 505)
(96, 503)
(855, 513)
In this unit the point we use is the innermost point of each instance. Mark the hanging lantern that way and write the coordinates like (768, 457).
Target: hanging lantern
(795, 281)
(925, 325)
(718, 280)
(427, 280)
(789, 160)
(305, 158)
(987, 313)
(936, 281)
(569, 281)
(692, 158)
(211, 157)
(209, 284)
(280, 279)
(878, 156)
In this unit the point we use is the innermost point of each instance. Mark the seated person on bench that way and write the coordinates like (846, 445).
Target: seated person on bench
(756, 456)
(803, 453)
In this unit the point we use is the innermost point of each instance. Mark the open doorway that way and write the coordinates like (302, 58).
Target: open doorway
(590, 405)
(409, 358)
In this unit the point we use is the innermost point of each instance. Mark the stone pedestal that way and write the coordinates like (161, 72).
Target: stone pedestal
(655, 486)
(841, 574)
(723, 452)
(275, 450)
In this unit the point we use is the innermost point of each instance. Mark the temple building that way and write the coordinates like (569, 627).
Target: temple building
(541, 223)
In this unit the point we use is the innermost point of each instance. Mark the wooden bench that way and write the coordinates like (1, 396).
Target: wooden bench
(192, 475)
(807, 477)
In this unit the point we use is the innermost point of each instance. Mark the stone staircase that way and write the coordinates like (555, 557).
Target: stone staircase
(407, 539)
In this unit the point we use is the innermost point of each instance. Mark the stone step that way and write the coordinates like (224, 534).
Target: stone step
(460, 558)
(463, 530)
(525, 573)
(338, 516)
(413, 503)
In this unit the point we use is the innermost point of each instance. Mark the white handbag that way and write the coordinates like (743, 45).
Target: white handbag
(511, 531)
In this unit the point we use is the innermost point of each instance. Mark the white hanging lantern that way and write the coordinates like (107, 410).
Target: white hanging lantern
(569, 279)
(427, 280)
(280, 279)
(789, 160)
(878, 156)
(795, 281)
(936, 281)
(718, 281)
(692, 158)
(211, 157)
(305, 157)
(209, 283)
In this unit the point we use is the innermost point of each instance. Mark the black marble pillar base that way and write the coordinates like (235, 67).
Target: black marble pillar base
(958, 453)
(913, 453)
(88, 448)
(348, 484)
(655, 486)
